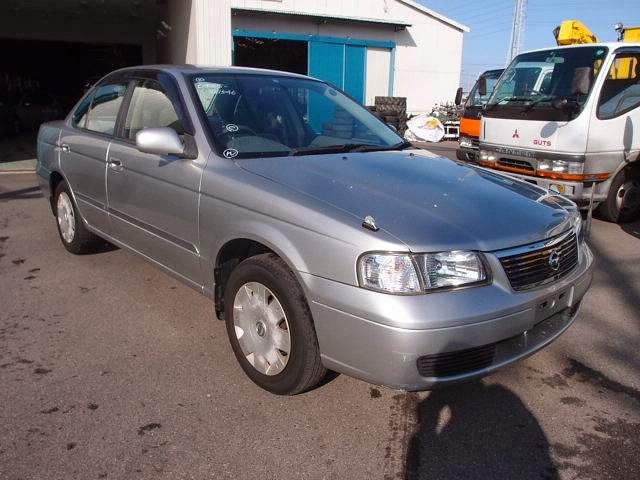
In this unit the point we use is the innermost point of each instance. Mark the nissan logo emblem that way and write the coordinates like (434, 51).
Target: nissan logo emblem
(554, 260)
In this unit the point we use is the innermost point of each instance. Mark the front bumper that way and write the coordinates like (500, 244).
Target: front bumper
(381, 338)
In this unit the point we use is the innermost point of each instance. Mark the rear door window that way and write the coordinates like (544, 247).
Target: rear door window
(79, 118)
(105, 106)
(150, 107)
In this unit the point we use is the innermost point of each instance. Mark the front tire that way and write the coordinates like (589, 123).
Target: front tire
(270, 326)
(623, 202)
(74, 235)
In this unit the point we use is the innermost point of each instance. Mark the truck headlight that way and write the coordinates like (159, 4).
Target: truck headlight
(465, 142)
(412, 274)
(486, 156)
(560, 166)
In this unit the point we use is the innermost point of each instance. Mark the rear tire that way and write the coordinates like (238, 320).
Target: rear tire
(74, 235)
(270, 326)
(623, 202)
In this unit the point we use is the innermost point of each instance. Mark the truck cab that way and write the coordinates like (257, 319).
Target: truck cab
(567, 119)
(468, 142)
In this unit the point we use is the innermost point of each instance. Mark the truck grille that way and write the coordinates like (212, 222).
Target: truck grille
(456, 363)
(513, 163)
(475, 143)
(530, 268)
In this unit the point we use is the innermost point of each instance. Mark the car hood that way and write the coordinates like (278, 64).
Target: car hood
(428, 203)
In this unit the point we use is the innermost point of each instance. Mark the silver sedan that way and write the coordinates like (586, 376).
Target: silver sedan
(324, 240)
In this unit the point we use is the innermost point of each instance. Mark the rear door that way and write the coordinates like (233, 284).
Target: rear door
(153, 199)
(84, 145)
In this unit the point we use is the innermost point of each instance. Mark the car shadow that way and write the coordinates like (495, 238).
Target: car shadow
(632, 228)
(477, 431)
(21, 194)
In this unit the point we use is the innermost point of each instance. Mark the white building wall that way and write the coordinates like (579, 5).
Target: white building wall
(378, 71)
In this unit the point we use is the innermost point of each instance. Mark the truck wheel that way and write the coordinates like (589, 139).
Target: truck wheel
(74, 235)
(270, 326)
(623, 202)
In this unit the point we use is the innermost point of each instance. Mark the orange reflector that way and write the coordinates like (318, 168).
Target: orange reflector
(572, 177)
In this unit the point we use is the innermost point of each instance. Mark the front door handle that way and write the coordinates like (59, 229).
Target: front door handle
(115, 164)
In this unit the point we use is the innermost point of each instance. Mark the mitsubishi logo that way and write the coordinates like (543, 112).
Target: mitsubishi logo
(554, 260)
(515, 134)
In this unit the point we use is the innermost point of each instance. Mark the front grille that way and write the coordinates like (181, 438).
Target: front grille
(475, 142)
(513, 163)
(456, 363)
(534, 267)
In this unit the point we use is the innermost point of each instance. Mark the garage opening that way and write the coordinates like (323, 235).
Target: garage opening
(286, 55)
(41, 80)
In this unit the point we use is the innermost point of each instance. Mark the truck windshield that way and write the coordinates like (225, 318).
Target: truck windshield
(253, 116)
(533, 80)
(475, 99)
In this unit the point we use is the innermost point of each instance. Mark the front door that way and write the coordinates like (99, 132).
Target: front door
(153, 199)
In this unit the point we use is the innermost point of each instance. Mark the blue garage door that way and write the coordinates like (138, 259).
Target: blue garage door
(343, 65)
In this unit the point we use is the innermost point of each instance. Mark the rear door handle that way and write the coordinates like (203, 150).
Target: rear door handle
(115, 164)
(65, 148)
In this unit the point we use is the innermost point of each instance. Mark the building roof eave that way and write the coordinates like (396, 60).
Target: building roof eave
(442, 18)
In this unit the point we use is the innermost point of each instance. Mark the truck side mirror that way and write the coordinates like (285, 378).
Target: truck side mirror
(458, 99)
(581, 81)
(482, 86)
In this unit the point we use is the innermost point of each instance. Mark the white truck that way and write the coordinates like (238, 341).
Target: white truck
(573, 128)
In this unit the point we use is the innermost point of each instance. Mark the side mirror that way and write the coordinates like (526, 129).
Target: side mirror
(458, 99)
(392, 127)
(581, 81)
(160, 141)
(482, 86)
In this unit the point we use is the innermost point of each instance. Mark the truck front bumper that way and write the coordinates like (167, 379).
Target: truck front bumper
(420, 342)
(576, 191)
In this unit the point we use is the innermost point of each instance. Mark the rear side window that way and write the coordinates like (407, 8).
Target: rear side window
(79, 118)
(150, 107)
(104, 108)
(621, 90)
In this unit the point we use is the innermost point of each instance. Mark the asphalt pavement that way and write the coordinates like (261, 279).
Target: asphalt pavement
(110, 369)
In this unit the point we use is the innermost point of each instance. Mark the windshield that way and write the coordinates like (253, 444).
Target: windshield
(267, 115)
(477, 100)
(534, 80)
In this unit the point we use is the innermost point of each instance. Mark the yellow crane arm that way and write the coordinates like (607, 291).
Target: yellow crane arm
(574, 32)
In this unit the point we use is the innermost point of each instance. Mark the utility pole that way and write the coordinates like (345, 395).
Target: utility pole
(517, 30)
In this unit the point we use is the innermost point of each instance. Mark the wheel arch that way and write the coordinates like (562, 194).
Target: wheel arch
(55, 178)
(238, 248)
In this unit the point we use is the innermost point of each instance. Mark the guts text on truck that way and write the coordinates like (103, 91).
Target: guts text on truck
(321, 248)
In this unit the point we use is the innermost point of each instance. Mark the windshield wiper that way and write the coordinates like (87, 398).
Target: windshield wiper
(382, 148)
(349, 147)
(346, 147)
(502, 101)
(536, 102)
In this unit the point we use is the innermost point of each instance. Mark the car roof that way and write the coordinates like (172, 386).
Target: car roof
(204, 69)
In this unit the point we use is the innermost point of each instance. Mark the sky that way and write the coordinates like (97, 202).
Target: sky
(485, 47)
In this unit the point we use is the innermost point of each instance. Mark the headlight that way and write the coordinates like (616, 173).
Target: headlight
(577, 226)
(451, 269)
(388, 273)
(465, 142)
(487, 156)
(560, 166)
(413, 274)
